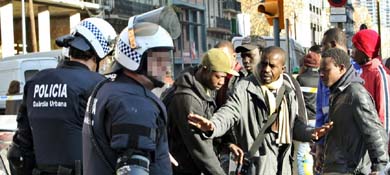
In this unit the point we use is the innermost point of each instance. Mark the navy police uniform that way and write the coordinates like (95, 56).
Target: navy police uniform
(127, 119)
(51, 116)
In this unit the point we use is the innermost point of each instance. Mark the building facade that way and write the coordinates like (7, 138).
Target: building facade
(203, 23)
(311, 22)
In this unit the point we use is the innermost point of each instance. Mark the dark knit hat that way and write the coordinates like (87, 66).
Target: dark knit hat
(312, 59)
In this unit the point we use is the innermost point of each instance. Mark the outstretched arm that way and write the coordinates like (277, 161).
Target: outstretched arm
(200, 148)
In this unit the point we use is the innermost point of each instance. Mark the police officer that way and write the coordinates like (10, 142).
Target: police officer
(49, 135)
(126, 131)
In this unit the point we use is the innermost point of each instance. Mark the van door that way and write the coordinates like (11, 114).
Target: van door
(29, 68)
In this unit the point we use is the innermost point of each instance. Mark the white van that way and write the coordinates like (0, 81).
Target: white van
(22, 68)
(296, 51)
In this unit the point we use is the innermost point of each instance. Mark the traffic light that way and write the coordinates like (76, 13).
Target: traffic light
(272, 9)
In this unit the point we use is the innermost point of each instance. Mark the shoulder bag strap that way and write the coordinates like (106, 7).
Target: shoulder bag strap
(260, 137)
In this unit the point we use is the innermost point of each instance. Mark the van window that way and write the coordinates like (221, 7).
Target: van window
(30, 73)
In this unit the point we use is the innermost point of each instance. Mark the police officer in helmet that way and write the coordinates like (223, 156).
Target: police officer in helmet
(49, 135)
(126, 132)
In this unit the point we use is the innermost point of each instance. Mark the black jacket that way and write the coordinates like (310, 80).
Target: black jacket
(194, 152)
(308, 80)
(357, 131)
(51, 115)
(129, 119)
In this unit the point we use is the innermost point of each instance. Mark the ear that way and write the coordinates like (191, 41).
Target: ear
(333, 44)
(342, 68)
(283, 68)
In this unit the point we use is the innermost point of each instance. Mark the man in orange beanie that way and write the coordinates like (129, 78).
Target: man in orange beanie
(366, 53)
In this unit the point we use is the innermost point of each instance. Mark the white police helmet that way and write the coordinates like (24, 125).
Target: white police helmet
(91, 34)
(147, 36)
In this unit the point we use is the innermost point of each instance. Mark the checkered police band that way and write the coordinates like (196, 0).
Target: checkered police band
(128, 51)
(98, 34)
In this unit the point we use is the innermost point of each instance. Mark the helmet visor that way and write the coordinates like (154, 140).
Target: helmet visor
(164, 16)
(145, 29)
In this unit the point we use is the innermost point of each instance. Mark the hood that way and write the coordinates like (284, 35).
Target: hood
(186, 81)
(367, 41)
(351, 76)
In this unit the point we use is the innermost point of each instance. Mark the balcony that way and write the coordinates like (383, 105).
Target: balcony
(220, 25)
(232, 6)
(127, 8)
(223, 23)
(194, 4)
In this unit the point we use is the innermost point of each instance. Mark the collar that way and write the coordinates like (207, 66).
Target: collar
(313, 69)
(350, 76)
(372, 63)
(274, 85)
(72, 64)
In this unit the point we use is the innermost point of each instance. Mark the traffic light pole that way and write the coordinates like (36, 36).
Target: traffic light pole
(276, 32)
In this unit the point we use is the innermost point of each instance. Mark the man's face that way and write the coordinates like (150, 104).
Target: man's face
(358, 56)
(329, 72)
(158, 66)
(215, 80)
(325, 43)
(232, 55)
(250, 59)
(271, 66)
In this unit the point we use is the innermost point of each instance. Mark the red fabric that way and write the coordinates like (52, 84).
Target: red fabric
(312, 60)
(375, 75)
(367, 41)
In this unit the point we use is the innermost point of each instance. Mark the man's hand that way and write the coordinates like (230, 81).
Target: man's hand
(238, 152)
(321, 131)
(5, 139)
(200, 122)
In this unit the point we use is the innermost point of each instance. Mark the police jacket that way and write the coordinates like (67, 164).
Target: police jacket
(308, 81)
(194, 152)
(51, 115)
(129, 119)
(357, 137)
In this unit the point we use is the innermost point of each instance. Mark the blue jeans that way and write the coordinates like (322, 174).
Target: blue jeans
(304, 158)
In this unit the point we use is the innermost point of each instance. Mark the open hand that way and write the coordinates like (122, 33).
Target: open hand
(321, 131)
(200, 122)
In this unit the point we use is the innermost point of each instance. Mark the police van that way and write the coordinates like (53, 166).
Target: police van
(22, 68)
(296, 51)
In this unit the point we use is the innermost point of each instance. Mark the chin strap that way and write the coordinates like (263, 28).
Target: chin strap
(156, 82)
(140, 78)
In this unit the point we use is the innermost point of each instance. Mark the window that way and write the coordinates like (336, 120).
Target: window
(29, 73)
(195, 29)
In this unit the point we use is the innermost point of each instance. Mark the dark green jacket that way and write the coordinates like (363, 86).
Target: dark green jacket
(187, 145)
